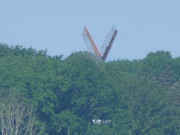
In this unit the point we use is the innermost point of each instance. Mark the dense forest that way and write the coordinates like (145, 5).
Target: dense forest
(82, 95)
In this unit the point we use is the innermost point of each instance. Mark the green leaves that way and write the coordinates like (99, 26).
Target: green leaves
(68, 123)
(138, 97)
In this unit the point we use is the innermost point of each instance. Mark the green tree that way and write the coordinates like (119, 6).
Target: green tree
(17, 115)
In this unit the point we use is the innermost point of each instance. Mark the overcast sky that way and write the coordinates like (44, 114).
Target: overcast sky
(56, 25)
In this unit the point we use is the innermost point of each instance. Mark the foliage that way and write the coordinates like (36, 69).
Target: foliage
(138, 97)
(17, 116)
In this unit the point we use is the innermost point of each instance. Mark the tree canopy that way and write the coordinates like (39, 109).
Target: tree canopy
(82, 95)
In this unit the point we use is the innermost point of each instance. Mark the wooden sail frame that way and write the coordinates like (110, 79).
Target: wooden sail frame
(107, 44)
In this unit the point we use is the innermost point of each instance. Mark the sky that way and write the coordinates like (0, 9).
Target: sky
(56, 25)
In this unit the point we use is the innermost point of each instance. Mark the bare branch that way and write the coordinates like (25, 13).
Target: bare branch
(17, 116)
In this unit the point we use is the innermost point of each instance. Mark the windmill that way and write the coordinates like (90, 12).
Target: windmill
(107, 44)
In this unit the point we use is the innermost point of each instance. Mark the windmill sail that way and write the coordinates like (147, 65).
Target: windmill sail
(90, 42)
(107, 44)
(87, 41)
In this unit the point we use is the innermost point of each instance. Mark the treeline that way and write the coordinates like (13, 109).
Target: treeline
(81, 95)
